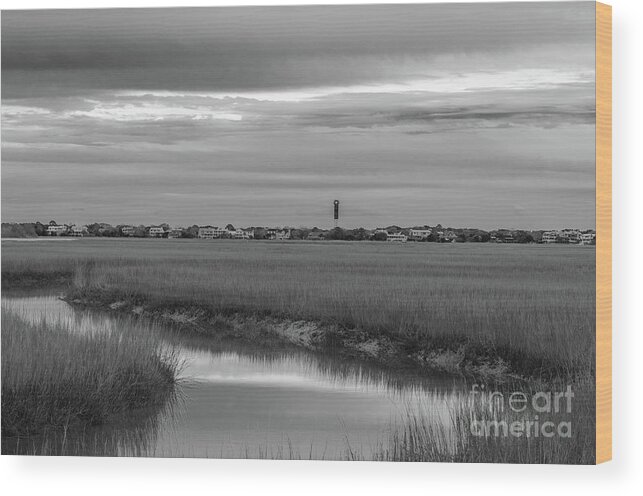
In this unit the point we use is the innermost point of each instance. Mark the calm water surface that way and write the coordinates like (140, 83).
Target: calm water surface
(238, 401)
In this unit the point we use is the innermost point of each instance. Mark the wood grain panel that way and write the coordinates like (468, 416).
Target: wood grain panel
(603, 232)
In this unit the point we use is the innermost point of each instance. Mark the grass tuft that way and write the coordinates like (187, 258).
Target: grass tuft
(53, 378)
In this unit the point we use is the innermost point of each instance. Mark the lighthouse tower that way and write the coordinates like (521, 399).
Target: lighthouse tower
(336, 211)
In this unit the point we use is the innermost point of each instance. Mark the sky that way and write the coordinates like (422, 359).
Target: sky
(467, 115)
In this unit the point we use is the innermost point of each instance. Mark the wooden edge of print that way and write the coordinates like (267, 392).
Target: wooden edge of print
(603, 232)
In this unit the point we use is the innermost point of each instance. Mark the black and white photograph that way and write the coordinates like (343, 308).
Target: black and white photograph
(347, 232)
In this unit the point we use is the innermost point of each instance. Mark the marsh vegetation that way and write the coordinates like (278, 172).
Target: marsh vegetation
(54, 378)
(523, 313)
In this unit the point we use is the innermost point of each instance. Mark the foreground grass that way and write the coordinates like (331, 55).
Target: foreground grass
(491, 440)
(53, 378)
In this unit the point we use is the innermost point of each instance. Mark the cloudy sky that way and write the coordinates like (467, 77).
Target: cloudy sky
(476, 115)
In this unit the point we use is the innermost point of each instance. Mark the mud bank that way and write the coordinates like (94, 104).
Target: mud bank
(351, 343)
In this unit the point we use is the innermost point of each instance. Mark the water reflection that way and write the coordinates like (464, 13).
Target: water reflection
(133, 435)
(237, 400)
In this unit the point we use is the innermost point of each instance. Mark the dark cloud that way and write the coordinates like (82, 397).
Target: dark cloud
(250, 48)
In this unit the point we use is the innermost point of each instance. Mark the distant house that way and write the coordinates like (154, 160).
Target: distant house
(207, 232)
(419, 234)
(157, 232)
(396, 237)
(587, 238)
(77, 231)
(128, 230)
(508, 238)
(550, 236)
(572, 236)
(210, 232)
(271, 233)
(241, 234)
(316, 236)
(282, 234)
(446, 236)
(56, 229)
(175, 233)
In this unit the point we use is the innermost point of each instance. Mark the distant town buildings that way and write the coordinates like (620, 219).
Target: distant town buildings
(569, 236)
(392, 233)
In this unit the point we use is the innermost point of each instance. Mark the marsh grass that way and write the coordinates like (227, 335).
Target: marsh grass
(420, 438)
(529, 308)
(532, 307)
(54, 378)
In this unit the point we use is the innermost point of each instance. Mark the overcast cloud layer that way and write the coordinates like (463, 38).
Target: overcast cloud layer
(477, 115)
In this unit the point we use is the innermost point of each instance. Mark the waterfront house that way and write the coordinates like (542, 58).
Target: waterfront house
(316, 236)
(157, 232)
(128, 230)
(240, 234)
(77, 231)
(56, 229)
(587, 238)
(175, 233)
(419, 234)
(570, 236)
(396, 237)
(209, 232)
(550, 236)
